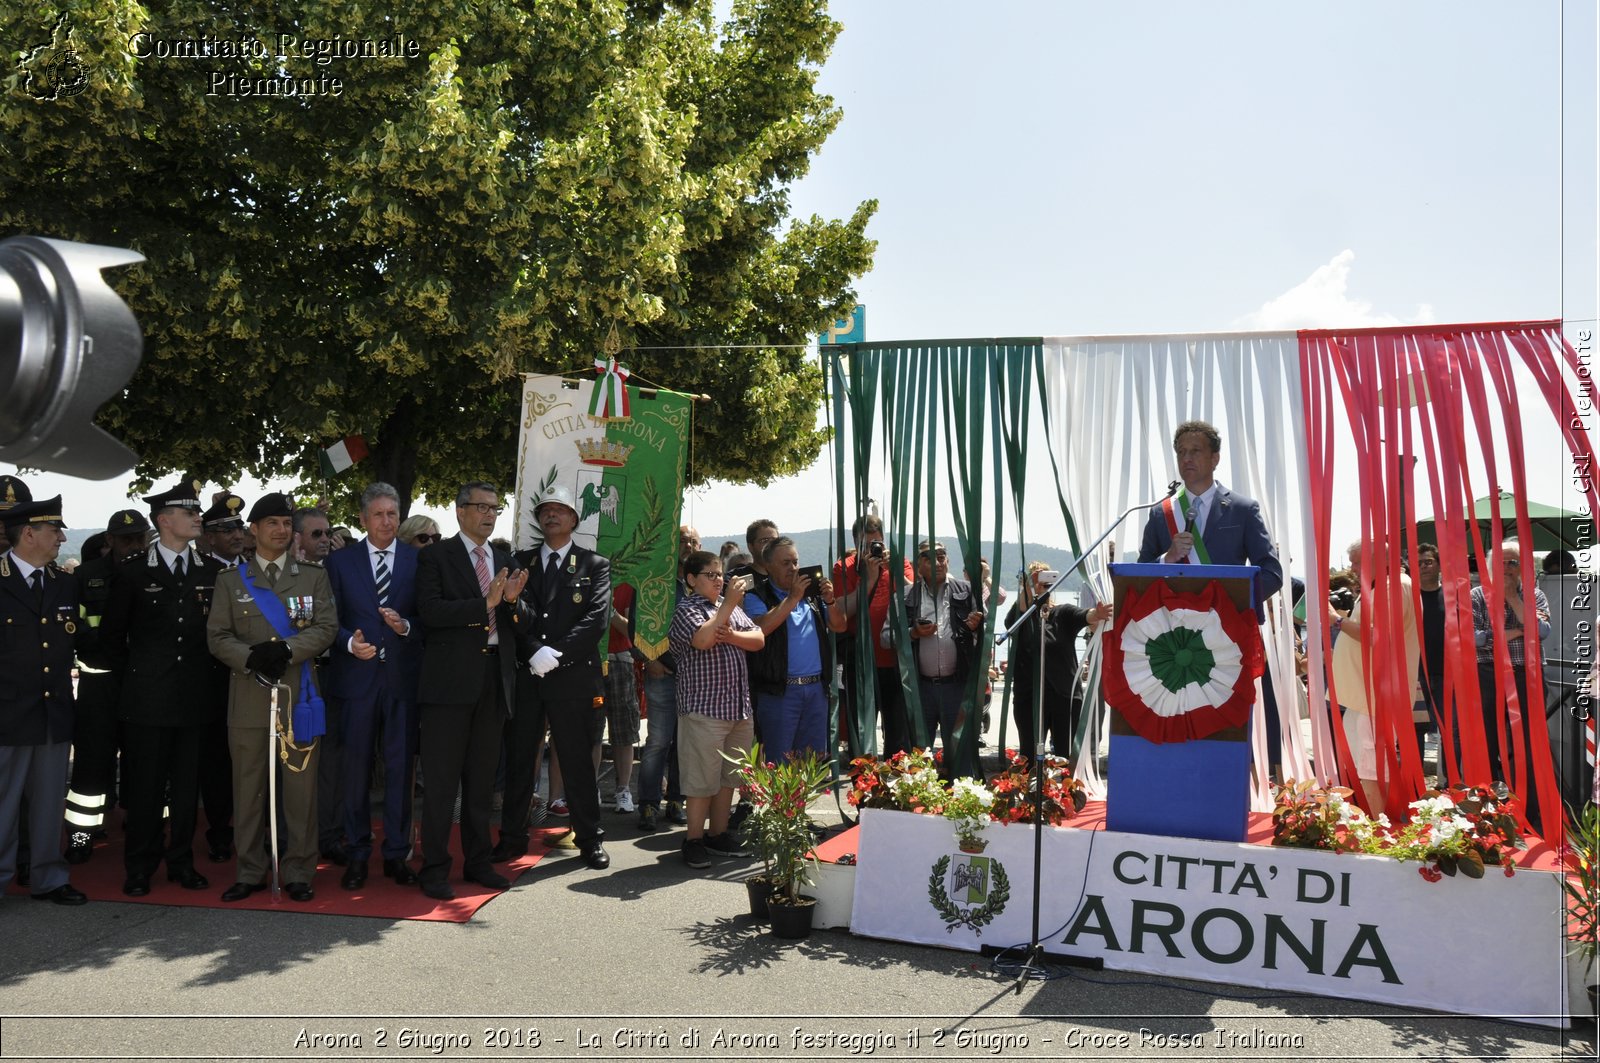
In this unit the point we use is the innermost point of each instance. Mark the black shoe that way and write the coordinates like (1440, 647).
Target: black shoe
(24, 873)
(439, 891)
(136, 885)
(188, 878)
(647, 819)
(489, 879)
(300, 891)
(355, 876)
(220, 854)
(507, 849)
(79, 848)
(596, 856)
(240, 890)
(336, 856)
(737, 817)
(401, 872)
(64, 894)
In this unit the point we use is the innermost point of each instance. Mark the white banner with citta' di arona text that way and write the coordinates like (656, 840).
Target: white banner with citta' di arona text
(1361, 927)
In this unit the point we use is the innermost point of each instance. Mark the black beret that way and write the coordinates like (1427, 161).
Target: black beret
(276, 504)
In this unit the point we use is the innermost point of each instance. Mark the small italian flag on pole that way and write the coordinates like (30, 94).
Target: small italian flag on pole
(343, 454)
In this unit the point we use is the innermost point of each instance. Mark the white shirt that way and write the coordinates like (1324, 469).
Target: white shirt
(1202, 507)
(372, 556)
(169, 556)
(24, 569)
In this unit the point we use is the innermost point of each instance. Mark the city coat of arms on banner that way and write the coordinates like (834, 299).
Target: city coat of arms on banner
(968, 890)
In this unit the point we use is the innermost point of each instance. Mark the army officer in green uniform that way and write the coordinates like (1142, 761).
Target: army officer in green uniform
(269, 617)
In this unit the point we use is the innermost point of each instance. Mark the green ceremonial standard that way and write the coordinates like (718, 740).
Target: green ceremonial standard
(626, 477)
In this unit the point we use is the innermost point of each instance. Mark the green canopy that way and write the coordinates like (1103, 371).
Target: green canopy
(1553, 528)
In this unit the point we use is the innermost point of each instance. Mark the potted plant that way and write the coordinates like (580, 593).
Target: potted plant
(968, 807)
(1015, 792)
(778, 830)
(1580, 883)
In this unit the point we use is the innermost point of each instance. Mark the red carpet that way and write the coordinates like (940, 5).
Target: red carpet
(101, 878)
(1538, 856)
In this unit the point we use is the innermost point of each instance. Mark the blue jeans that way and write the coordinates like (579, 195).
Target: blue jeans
(794, 721)
(660, 759)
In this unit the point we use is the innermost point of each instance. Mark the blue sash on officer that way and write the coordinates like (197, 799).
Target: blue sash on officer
(310, 712)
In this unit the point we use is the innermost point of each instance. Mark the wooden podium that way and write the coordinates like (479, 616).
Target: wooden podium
(1188, 786)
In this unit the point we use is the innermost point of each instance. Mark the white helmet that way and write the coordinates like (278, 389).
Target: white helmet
(558, 494)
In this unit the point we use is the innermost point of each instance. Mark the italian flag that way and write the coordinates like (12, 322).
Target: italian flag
(343, 454)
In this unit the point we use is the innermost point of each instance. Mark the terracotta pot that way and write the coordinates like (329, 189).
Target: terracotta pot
(791, 920)
(759, 887)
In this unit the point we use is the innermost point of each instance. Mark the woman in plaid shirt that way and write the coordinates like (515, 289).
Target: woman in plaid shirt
(709, 637)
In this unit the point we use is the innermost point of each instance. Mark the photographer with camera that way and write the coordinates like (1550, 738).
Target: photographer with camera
(868, 567)
(1062, 624)
(944, 617)
(789, 673)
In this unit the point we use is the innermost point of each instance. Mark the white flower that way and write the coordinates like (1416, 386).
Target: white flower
(962, 788)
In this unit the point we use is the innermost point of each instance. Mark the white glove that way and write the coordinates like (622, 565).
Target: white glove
(544, 660)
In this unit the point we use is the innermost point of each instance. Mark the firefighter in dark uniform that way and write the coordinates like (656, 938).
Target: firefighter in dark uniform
(224, 539)
(155, 633)
(94, 729)
(38, 622)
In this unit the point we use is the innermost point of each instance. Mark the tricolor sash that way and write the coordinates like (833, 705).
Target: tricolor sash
(1171, 510)
(310, 712)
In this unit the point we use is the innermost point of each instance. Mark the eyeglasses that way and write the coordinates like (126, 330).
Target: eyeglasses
(424, 538)
(1512, 562)
(319, 533)
(484, 507)
(709, 575)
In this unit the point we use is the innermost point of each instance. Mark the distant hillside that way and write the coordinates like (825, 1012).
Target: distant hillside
(817, 547)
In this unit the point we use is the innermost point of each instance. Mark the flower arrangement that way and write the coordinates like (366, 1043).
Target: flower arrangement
(906, 781)
(1457, 830)
(778, 828)
(968, 807)
(1014, 793)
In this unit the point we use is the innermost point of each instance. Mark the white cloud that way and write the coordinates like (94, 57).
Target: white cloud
(1323, 300)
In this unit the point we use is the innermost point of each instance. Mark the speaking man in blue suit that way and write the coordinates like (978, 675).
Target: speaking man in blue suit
(376, 659)
(1207, 523)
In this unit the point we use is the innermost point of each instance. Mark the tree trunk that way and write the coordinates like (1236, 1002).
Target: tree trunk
(394, 458)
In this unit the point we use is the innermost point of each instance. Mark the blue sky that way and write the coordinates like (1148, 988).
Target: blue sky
(1089, 168)
(1073, 168)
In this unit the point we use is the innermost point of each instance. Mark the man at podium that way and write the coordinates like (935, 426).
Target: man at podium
(1207, 523)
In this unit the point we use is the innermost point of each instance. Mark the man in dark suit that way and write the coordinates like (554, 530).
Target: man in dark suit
(466, 596)
(154, 635)
(39, 617)
(1229, 526)
(561, 633)
(373, 674)
(278, 648)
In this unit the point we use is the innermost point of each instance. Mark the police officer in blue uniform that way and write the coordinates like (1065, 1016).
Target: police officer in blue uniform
(38, 622)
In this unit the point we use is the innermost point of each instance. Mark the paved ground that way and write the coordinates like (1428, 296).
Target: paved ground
(648, 960)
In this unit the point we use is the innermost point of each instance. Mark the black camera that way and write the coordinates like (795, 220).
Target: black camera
(877, 550)
(67, 344)
(1343, 599)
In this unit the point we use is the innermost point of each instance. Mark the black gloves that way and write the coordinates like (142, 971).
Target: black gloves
(269, 659)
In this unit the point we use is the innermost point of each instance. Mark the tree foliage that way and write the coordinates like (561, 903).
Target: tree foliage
(383, 261)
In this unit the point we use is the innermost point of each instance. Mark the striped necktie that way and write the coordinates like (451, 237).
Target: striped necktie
(482, 568)
(383, 578)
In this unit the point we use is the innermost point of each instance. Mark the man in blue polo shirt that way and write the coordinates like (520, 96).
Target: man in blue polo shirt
(790, 673)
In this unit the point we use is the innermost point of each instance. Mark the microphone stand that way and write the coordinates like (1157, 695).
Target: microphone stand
(1033, 960)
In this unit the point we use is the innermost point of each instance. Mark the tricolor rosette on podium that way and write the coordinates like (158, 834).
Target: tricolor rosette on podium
(1182, 665)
